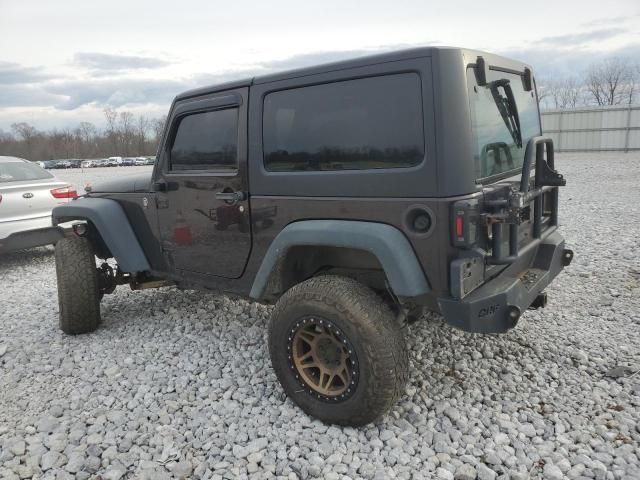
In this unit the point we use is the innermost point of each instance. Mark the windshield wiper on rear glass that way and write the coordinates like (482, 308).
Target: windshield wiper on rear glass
(507, 107)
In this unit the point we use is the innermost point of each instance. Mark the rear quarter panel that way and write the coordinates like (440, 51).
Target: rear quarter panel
(392, 211)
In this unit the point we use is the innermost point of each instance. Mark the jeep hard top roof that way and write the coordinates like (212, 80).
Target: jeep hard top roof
(350, 63)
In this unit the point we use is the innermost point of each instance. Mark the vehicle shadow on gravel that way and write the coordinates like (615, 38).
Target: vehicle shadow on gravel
(523, 370)
(187, 310)
(452, 355)
(25, 257)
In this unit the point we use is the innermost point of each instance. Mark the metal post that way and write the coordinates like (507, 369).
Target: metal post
(560, 133)
(628, 133)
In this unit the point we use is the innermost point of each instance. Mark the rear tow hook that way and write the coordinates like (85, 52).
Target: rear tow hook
(539, 302)
(567, 256)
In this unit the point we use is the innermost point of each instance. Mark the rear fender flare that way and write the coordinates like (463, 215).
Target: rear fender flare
(112, 224)
(386, 243)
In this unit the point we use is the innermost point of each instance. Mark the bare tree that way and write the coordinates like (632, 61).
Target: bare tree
(127, 130)
(141, 131)
(85, 135)
(608, 82)
(157, 125)
(554, 94)
(633, 83)
(569, 93)
(111, 116)
(87, 131)
(27, 133)
(566, 93)
(544, 91)
(84, 140)
(24, 130)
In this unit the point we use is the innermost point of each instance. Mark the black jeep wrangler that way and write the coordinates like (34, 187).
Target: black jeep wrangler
(351, 195)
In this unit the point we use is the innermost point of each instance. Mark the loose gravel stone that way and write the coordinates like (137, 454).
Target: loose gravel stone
(52, 459)
(552, 472)
(182, 469)
(485, 473)
(17, 446)
(465, 472)
(444, 474)
(178, 383)
(75, 463)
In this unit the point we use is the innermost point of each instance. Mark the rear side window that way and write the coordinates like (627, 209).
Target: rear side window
(20, 171)
(206, 141)
(368, 123)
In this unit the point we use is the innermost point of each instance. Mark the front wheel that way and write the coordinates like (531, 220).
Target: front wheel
(78, 289)
(338, 350)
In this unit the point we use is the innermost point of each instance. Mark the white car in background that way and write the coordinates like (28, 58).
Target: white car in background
(28, 193)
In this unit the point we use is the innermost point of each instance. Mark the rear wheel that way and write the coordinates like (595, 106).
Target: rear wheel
(78, 291)
(338, 350)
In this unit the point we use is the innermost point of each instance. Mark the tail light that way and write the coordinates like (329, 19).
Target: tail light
(64, 192)
(460, 227)
(465, 216)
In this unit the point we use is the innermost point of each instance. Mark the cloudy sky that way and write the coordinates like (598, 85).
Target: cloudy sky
(62, 62)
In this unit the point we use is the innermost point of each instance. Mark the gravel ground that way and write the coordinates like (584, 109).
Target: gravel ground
(178, 384)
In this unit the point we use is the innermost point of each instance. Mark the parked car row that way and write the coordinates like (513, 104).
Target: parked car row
(99, 162)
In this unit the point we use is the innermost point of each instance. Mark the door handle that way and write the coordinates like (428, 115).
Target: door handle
(159, 187)
(162, 186)
(231, 197)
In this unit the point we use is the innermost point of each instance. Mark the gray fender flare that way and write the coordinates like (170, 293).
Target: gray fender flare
(113, 225)
(387, 243)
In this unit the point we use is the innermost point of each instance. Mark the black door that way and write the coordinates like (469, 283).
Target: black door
(203, 207)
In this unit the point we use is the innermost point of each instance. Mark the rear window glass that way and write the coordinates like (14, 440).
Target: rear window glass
(367, 123)
(499, 147)
(20, 171)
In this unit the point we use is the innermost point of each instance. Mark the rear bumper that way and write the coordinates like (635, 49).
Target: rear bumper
(497, 305)
(9, 227)
(31, 238)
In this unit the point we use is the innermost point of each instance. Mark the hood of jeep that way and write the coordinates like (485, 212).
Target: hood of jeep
(139, 182)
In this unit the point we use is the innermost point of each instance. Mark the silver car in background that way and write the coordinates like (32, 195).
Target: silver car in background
(28, 193)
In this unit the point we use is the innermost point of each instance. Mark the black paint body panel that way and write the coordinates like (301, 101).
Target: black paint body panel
(192, 236)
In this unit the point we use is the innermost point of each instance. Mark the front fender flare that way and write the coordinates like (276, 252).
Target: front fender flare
(112, 223)
(387, 243)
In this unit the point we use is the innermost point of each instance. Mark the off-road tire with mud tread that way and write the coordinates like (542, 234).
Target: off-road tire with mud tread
(374, 333)
(78, 295)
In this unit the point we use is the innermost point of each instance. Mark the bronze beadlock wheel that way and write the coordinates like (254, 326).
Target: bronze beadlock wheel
(323, 359)
(338, 350)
